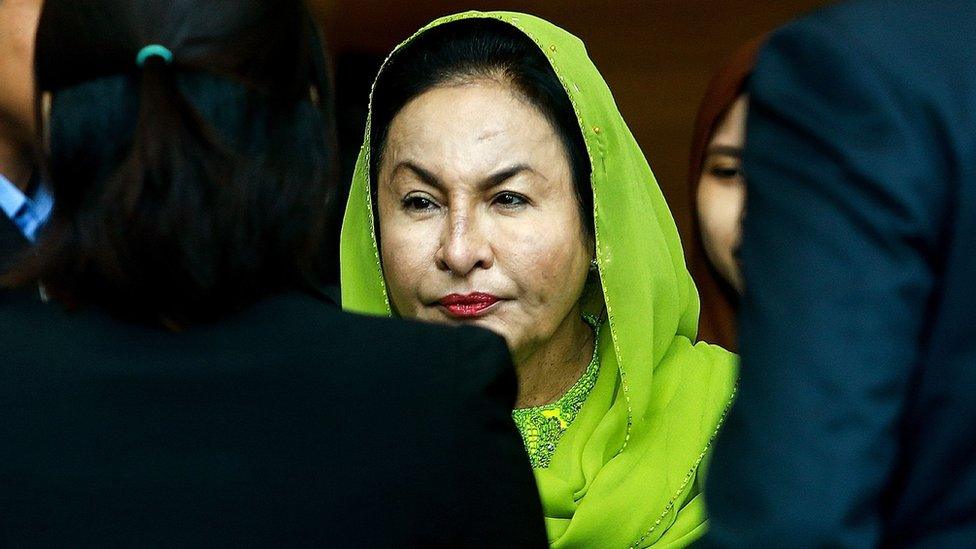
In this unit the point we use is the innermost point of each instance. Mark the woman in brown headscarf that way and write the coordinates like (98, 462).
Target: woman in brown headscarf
(718, 195)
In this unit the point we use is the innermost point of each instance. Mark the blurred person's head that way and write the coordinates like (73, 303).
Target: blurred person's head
(482, 185)
(189, 148)
(718, 194)
(18, 22)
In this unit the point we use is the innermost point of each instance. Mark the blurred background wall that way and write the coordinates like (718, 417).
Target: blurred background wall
(656, 55)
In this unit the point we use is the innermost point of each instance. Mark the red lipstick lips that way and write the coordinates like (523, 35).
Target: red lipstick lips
(468, 306)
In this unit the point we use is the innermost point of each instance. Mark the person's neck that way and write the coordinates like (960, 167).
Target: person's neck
(15, 164)
(550, 369)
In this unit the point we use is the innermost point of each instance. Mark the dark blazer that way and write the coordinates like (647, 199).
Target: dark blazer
(855, 424)
(12, 242)
(291, 424)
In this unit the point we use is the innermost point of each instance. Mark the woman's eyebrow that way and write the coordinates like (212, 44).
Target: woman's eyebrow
(425, 175)
(504, 175)
(725, 150)
(487, 183)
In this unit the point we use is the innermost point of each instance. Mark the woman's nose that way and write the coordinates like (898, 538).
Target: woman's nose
(465, 246)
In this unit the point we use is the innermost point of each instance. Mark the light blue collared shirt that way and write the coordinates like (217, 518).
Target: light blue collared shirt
(29, 214)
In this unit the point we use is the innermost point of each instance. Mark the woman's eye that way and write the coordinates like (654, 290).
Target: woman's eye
(726, 173)
(510, 200)
(418, 203)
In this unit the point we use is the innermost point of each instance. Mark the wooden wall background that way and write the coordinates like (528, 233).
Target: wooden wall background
(657, 56)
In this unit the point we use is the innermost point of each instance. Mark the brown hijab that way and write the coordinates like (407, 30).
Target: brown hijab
(718, 298)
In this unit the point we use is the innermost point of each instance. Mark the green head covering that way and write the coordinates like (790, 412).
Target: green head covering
(627, 471)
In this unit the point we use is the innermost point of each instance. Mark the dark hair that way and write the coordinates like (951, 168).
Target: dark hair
(474, 49)
(183, 190)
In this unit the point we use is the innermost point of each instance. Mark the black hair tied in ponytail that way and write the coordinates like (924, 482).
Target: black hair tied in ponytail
(183, 189)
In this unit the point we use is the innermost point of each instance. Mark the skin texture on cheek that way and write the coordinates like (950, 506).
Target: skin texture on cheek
(517, 238)
(720, 212)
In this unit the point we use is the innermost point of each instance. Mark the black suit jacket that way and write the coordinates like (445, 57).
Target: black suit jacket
(291, 424)
(856, 420)
(12, 242)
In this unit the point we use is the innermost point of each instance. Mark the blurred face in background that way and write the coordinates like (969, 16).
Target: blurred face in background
(722, 193)
(18, 25)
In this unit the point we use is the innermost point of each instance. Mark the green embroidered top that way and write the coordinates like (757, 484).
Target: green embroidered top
(542, 426)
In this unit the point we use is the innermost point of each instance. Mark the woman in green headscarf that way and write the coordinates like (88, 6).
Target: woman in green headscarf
(500, 187)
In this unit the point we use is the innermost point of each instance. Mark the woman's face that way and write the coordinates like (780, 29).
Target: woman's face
(478, 217)
(722, 193)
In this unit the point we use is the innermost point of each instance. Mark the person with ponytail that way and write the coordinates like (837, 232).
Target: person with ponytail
(185, 384)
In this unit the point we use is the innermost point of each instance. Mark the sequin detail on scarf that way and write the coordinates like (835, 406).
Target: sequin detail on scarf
(542, 426)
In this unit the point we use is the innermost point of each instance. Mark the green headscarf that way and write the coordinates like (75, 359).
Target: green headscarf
(627, 471)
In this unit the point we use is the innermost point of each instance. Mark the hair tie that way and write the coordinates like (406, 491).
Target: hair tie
(154, 50)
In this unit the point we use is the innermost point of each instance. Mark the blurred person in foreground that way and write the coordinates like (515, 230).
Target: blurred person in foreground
(718, 195)
(185, 385)
(25, 202)
(856, 419)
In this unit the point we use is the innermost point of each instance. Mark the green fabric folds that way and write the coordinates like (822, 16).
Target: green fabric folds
(626, 472)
